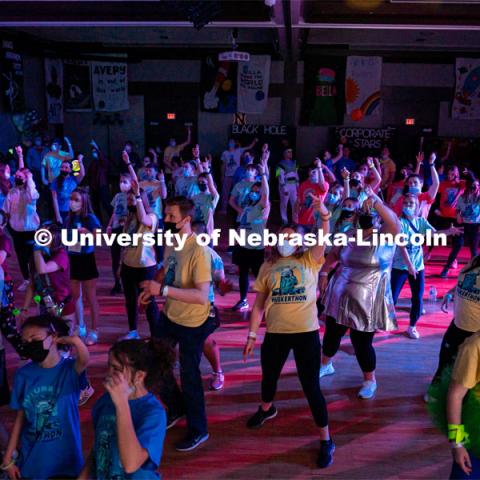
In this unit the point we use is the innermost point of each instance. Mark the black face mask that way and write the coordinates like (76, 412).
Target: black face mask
(19, 182)
(202, 187)
(365, 221)
(170, 227)
(64, 174)
(354, 182)
(34, 351)
(132, 208)
(347, 214)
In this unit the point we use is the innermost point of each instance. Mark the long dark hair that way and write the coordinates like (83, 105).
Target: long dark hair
(86, 205)
(154, 357)
(51, 323)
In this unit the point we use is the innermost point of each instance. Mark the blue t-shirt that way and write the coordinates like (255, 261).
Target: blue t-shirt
(149, 421)
(120, 209)
(415, 252)
(90, 222)
(347, 163)
(64, 192)
(51, 444)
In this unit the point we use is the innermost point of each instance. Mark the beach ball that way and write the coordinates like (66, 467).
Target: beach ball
(356, 115)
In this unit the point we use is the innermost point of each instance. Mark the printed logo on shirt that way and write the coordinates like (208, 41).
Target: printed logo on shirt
(46, 425)
(106, 437)
(468, 289)
(288, 285)
(170, 275)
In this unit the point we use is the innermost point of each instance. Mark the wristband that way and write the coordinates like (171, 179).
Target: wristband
(326, 217)
(456, 445)
(324, 274)
(252, 335)
(457, 433)
(138, 197)
(164, 291)
(129, 163)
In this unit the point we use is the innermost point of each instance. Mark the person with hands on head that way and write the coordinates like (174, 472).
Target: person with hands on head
(45, 394)
(185, 319)
(359, 296)
(129, 421)
(408, 261)
(286, 289)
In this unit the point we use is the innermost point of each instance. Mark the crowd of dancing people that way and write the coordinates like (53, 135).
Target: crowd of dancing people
(48, 185)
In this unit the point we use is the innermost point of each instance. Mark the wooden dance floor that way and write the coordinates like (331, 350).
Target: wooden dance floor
(390, 436)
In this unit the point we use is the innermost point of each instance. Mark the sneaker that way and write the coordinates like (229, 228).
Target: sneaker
(423, 311)
(131, 335)
(190, 442)
(81, 331)
(455, 264)
(92, 338)
(173, 419)
(257, 420)
(85, 395)
(368, 389)
(117, 288)
(444, 272)
(325, 455)
(412, 333)
(241, 306)
(23, 286)
(217, 381)
(326, 369)
(426, 397)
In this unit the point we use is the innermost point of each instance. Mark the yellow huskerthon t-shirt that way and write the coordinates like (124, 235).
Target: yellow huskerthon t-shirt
(184, 269)
(467, 300)
(291, 287)
(467, 366)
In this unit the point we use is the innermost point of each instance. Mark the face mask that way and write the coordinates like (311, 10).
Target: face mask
(186, 172)
(64, 174)
(54, 147)
(286, 249)
(365, 221)
(331, 199)
(414, 190)
(95, 154)
(347, 213)
(132, 208)
(314, 178)
(19, 181)
(75, 206)
(35, 351)
(170, 227)
(409, 211)
(173, 143)
(254, 197)
(202, 187)
(125, 187)
(354, 182)
(38, 143)
(231, 144)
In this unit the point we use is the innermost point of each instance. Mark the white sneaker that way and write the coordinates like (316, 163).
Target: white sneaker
(217, 381)
(92, 338)
(368, 389)
(412, 333)
(131, 335)
(85, 395)
(424, 312)
(23, 286)
(81, 331)
(326, 369)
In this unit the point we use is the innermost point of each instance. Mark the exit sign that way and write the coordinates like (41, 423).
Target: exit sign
(171, 116)
(409, 121)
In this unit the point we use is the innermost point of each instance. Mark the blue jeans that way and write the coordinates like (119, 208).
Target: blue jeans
(191, 399)
(417, 286)
(458, 474)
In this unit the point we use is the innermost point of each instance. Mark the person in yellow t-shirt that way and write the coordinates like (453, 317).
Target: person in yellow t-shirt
(286, 293)
(460, 411)
(185, 319)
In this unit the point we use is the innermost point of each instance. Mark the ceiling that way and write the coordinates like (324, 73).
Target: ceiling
(289, 29)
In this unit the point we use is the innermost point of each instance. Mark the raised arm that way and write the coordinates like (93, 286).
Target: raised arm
(69, 146)
(318, 251)
(142, 215)
(378, 178)
(81, 173)
(391, 223)
(419, 160)
(188, 140)
(433, 190)
(19, 152)
(339, 154)
(321, 179)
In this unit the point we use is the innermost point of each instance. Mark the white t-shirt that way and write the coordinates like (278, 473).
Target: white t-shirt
(140, 256)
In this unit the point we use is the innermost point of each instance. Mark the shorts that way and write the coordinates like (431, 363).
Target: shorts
(83, 267)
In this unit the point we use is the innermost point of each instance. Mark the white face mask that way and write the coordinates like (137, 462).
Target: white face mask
(286, 249)
(75, 206)
(125, 187)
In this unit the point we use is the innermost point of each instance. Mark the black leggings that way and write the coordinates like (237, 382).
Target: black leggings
(306, 349)
(361, 341)
(451, 341)
(23, 244)
(116, 251)
(131, 279)
(247, 259)
(471, 235)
